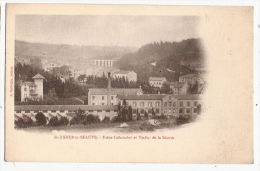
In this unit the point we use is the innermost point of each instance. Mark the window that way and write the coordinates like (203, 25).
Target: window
(170, 104)
(157, 110)
(112, 103)
(103, 104)
(18, 111)
(107, 110)
(112, 97)
(165, 104)
(134, 111)
(93, 97)
(181, 103)
(195, 103)
(25, 89)
(170, 97)
(187, 110)
(157, 104)
(53, 110)
(99, 111)
(142, 104)
(93, 104)
(149, 104)
(173, 110)
(180, 110)
(134, 104)
(142, 111)
(174, 104)
(188, 103)
(103, 97)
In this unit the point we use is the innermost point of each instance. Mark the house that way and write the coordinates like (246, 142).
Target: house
(32, 90)
(179, 88)
(191, 78)
(157, 81)
(145, 103)
(128, 75)
(162, 104)
(82, 78)
(107, 96)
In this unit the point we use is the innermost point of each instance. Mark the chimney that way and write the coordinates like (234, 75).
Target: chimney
(109, 89)
(109, 81)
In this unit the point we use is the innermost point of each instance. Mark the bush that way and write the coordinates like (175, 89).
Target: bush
(106, 119)
(63, 121)
(54, 121)
(40, 119)
(24, 122)
(92, 119)
(182, 119)
(79, 118)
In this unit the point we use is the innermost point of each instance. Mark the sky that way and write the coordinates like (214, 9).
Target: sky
(133, 31)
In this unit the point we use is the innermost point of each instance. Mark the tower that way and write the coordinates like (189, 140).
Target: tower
(38, 81)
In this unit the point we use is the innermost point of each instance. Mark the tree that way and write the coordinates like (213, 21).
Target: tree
(130, 113)
(153, 113)
(138, 116)
(40, 119)
(166, 89)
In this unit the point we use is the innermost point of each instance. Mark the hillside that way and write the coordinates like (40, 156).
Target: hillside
(167, 59)
(71, 54)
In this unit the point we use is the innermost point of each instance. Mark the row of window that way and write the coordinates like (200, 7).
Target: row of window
(181, 104)
(103, 97)
(142, 104)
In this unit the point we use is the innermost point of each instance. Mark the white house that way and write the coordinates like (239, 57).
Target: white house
(129, 75)
(32, 90)
(157, 81)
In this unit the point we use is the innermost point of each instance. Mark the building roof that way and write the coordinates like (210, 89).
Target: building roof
(142, 97)
(116, 91)
(122, 72)
(62, 107)
(38, 76)
(157, 79)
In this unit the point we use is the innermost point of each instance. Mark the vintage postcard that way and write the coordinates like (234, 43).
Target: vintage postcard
(129, 83)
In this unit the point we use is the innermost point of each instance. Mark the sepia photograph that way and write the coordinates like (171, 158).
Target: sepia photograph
(129, 83)
(124, 73)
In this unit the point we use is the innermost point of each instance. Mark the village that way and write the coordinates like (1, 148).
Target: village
(108, 104)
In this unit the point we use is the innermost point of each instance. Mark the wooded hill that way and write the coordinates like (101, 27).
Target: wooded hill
(168, 59)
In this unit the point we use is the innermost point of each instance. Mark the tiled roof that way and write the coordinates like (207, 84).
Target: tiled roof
(142, 97)
(115, 91)
(62, 107)
(38, 76)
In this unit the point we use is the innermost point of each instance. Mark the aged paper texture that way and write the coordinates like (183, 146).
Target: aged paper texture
(222, 132)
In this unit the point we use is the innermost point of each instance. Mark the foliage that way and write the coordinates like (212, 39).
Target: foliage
(175, 56)
(24, 122)
(90, 119)
(106, 119)
(79, 118)
(40, 119)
